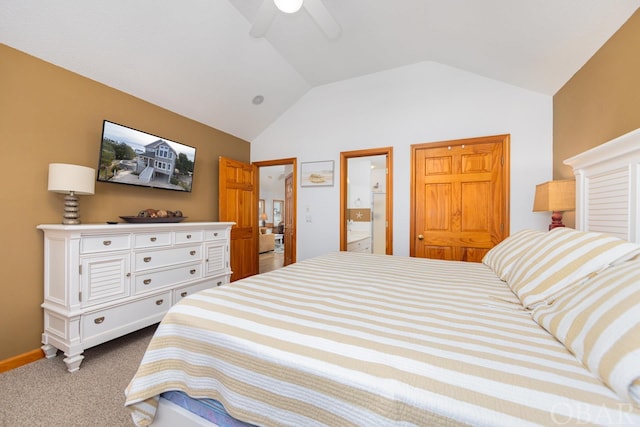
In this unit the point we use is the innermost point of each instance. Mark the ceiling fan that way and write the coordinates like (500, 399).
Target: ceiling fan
(315, 8)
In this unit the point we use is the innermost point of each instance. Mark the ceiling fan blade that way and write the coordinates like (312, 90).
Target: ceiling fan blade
(323, 18)
(263, 19)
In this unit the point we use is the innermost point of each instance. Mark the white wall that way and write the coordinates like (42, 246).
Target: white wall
(421, 103)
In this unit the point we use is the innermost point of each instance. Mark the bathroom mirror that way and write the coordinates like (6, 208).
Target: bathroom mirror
(365, 201)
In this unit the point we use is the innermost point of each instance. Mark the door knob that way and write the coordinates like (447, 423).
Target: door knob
(420, 237)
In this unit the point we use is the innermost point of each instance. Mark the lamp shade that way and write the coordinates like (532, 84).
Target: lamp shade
(65, 178)
(263, 216)
(555, 196)
(288, 6)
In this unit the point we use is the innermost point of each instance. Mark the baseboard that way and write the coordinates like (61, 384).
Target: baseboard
(20, 360)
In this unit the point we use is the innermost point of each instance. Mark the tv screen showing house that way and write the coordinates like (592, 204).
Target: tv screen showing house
(130, 156)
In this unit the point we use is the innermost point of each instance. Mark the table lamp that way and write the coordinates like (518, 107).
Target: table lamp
(263, 217)
(557, 197)
(71, 180)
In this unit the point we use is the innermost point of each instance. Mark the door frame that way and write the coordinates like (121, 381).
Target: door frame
(344, 174)
(293, 161)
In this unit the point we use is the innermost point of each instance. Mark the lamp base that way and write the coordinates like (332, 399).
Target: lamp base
(71, 211)
(556, 220)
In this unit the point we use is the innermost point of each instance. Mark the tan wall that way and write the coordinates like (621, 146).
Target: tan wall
(47, 115)
(601, 101)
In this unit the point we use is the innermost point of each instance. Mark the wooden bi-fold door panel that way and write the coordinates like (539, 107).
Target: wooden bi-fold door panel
(460, 198)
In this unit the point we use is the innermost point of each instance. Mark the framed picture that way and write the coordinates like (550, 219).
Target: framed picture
(316, 174)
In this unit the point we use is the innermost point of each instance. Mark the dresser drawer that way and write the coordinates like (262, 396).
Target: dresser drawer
(188, 236)
(147, 260)
(215, 235)
(105, 243)
(152, 280)
(184, 292)
(105, 322)
(150, 240)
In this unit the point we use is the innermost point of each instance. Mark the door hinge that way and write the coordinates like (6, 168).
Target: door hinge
(502, 161)
(80, 296)
(501, 227)
(80, 269)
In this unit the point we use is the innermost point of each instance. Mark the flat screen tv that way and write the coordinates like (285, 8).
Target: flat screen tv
(129, 156)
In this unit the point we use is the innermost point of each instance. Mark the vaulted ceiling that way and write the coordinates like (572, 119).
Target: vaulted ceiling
(197, 58)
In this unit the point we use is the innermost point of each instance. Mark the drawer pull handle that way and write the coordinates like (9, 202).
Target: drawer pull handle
(215, 234)
(98, 320)
(192, 253)
(219, 283)
(159, 302)
(183, 294)
(106, 242)
(153, 239)
(192, 271)
(147, 259)
(188, 236)
(147, 281)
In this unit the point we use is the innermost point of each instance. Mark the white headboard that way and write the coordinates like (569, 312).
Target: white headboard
(608, 187)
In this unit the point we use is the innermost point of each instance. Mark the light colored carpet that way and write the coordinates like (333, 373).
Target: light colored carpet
(44, 393)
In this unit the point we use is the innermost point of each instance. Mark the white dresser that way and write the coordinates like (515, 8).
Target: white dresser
(104, 281)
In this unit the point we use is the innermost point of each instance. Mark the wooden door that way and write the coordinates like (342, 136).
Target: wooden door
(289, 226)
(238, 203)
(460, 198)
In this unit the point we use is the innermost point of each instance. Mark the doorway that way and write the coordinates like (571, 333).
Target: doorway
(276, 192)
(366, 194)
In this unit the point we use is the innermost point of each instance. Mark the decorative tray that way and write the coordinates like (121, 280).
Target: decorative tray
(147, 219)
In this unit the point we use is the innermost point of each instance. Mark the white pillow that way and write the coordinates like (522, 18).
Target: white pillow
(502, 257)
(560, 258)
(599, 322)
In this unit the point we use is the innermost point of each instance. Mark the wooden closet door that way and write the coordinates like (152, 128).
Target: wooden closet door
(460, 198)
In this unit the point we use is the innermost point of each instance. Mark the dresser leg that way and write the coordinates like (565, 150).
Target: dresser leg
(73, 362)
(49, 351)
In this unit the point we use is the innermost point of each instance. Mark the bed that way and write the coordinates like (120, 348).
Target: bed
(545, 331)
(367, 344)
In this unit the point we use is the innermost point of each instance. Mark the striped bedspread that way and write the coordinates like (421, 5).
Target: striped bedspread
(370, 340)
